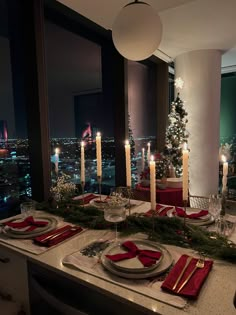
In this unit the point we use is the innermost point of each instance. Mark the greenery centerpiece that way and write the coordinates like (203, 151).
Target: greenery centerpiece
(166, 230)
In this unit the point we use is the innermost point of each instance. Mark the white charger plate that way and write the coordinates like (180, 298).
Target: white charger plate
(203, 220)
(164, 265)
(133, 264)
(36, 232)
(98, 204)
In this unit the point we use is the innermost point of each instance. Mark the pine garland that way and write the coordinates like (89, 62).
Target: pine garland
(166, 230)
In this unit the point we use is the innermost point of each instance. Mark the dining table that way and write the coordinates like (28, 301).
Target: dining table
(216, 295)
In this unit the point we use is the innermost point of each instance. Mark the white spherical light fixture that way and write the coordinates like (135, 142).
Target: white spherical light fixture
(137, 31)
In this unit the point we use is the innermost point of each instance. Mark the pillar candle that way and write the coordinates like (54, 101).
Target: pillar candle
(148, 151)
(57, 151)
(152, 165)
(82, 164)
(185, 172)
(143, 159)
(225, 173)
(99, 154)
(128, 163)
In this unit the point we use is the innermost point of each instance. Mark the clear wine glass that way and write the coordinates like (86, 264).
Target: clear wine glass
(215, 206)
(115, 210)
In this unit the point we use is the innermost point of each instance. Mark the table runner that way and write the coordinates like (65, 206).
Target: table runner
(144, 286)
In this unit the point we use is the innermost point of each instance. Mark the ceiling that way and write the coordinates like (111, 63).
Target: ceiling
(187, 24)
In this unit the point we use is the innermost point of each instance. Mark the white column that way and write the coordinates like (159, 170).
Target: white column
(201, 72)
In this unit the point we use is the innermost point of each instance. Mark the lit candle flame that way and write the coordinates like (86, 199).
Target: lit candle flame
(98, 134)
(185, 146)
(126, 142)
(82, 143)
(223, 158)
(152, 158)
(57, 151)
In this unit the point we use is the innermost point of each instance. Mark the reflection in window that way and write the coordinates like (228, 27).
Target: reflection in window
(76, 108)
(14, 158)
(142, 114)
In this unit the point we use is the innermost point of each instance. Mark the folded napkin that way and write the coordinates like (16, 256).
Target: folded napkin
(193, 286)
(86, 199)
(146, 257)
(29, 221)
(63, 233)
(181, 213)
(160, 210)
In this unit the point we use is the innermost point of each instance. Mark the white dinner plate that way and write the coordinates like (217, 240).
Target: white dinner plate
(99, 203)
(133, 264)
(204, 220)
(36, 232)
(164, 265)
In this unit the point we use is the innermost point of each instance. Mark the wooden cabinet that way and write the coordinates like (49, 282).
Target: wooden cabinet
(14, 278)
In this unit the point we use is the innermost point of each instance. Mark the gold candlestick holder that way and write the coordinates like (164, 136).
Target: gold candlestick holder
(99, 180)
(129, 197)
(185, 203)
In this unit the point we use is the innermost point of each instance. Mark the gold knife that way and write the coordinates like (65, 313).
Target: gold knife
(52, 236)
(182, 272)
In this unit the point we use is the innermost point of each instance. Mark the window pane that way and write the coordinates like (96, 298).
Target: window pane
(76, 107)
(14, 158)
(142, 113)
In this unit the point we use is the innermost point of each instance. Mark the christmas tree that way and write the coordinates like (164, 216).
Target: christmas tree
(176, 134)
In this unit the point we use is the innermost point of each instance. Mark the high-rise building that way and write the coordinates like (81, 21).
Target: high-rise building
(3, 131)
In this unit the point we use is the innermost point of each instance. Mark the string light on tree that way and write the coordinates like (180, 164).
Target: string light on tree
(176, 134)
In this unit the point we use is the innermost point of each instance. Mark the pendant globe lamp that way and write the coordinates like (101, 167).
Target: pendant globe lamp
(137, 31)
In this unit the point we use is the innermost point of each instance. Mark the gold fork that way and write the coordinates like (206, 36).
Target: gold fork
(199, 265)
(182, 272)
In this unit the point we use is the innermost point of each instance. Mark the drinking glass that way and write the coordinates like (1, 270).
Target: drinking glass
(215, 206)
(27, 208)
(115, 210)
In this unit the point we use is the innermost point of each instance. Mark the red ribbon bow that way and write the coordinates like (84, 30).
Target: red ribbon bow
(146, 257)
(29, 221)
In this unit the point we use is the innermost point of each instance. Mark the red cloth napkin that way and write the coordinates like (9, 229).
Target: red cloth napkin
(29, 221)
(88, 198)
(161, 213)
(65, 232)
(193, 286)
(181, 213)
(147, 257)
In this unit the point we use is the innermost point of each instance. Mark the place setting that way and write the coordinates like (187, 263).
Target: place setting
(192, 215)
(35, 231)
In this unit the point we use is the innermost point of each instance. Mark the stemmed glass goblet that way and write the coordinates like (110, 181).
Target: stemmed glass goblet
(115, 210)
(215, 207)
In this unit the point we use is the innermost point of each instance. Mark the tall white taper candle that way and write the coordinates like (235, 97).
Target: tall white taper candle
(185, 172)
(57, 151)
(143, 159)
(128, 163)
(152, 165)
(148, 151)
(99, 154)
(225, 173)
(82, 164)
